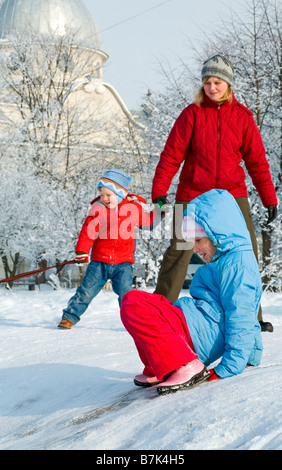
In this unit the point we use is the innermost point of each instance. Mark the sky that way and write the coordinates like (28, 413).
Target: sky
(140, 36)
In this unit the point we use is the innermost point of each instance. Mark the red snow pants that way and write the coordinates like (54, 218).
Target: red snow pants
(159, 330)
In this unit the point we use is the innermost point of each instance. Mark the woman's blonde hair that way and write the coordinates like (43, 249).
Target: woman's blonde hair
(199, 97)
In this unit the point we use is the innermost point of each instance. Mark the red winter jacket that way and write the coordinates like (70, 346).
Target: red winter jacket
(212, 140)
(111, 233)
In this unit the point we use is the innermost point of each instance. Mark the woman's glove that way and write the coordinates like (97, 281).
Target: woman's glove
(161, 205)
(82, 258)
(272, 213)
(160, 201)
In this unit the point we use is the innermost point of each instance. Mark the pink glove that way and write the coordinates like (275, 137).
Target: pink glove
(213, 375)
(82, 258)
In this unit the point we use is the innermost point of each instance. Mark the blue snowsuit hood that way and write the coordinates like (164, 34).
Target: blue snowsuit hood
(225, 294)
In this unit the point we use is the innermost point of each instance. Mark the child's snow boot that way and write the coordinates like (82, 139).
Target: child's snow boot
(186, 376)
(65, 324)
(143, 380)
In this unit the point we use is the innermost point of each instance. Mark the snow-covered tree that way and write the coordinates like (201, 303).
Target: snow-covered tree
(252, 41)
(54, 145)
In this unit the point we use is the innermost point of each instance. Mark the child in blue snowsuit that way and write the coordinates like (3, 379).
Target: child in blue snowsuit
(218, 324)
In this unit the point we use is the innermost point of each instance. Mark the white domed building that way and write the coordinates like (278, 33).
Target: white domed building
(41, 16)
(86, 90)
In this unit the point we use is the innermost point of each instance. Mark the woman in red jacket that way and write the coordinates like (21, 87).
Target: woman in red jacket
(109, 231)
(210, 139)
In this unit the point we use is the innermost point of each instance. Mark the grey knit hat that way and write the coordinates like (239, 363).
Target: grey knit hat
(220, 67)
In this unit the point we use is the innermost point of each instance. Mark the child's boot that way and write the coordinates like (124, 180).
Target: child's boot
(186, 376)
(143, 380)
(65, 324)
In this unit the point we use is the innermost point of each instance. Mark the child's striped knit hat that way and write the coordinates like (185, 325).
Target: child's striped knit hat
(191, 229)
(117, 181)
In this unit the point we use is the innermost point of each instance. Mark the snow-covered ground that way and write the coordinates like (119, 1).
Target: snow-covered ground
(74, 390)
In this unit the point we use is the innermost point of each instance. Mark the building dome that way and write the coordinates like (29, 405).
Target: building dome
(44, 16)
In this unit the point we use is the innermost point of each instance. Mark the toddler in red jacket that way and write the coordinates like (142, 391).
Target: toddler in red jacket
(109, 233)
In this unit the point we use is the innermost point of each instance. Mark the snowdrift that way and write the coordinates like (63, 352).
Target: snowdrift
(73, 390)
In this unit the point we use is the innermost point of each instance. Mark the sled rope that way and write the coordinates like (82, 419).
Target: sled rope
(35, 271)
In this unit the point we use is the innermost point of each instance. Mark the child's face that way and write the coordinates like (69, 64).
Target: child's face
(108, 197)
(204, 248)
